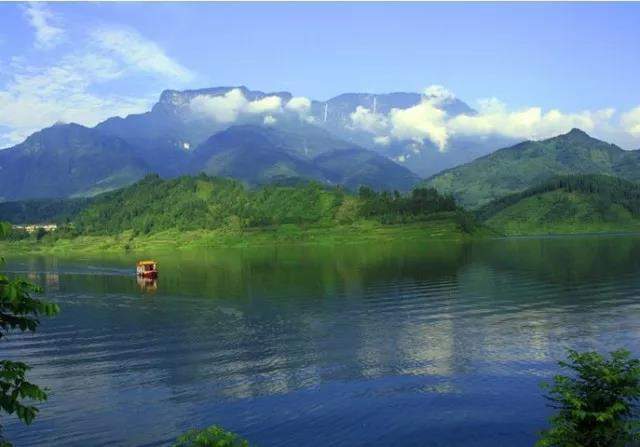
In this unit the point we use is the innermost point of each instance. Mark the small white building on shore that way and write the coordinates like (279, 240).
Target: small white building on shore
(32, 228)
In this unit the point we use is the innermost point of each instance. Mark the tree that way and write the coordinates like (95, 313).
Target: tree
(19, 310)
(40, 233)
(348, 211)
(5, 230)
(596, 405)
(213, 436)
(466, 222)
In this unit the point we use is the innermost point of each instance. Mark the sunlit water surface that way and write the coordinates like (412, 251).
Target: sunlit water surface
(377, 345)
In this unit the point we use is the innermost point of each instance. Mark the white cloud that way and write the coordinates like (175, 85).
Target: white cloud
(438, 93)
(36, 98)
(222, 108)
(401, 158)
(37, 95)
(382, 140)
(365, 119)
(139, 53)
(264, 105)
(630, 121)
(530, 123)
(231, 106)
(427, 121)
(269, 120)
(40, 18)
(420, 122)
(299, 104)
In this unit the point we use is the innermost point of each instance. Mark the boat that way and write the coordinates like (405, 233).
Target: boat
(147, 269)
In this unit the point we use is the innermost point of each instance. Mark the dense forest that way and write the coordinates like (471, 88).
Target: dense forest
(42, 210)
(604, 191)
(577, 203)
(515, 169)
(189, 203)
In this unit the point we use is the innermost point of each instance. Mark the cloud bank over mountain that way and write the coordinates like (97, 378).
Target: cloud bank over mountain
(428, 122)
(631, 122)
(233, 105)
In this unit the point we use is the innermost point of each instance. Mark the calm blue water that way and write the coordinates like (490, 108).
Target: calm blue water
(393, 345)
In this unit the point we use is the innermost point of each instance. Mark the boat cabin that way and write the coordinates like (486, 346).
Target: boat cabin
(147, 269)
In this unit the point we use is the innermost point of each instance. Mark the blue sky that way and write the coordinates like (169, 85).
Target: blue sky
(84, 62)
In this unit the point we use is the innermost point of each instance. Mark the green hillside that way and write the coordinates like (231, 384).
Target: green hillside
(190, 203)
(38, 211)
(527, 164)
(567, 205)
(212, 211)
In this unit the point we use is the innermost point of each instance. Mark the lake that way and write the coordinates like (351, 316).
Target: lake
(421, 344)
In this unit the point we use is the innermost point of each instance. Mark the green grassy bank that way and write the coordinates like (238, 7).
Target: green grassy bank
(445, 228)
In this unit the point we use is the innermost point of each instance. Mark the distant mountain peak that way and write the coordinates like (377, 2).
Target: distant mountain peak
(575, 135)
(170, 96)
(580, 137)
(59, 128)
(575, 132)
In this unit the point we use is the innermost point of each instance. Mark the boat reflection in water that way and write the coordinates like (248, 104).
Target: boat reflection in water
(147, 274)
(147, 285)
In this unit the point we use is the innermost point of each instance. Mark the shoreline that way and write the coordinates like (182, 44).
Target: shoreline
(439, 230)
(282, 235)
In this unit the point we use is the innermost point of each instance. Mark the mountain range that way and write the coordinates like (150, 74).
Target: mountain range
(70, 160)
(259, 155)
(247, 143)
(172, 124)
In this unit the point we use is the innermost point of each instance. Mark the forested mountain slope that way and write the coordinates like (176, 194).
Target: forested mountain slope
(527, 164)
(567, 204)
(67, 160)
(203, 202)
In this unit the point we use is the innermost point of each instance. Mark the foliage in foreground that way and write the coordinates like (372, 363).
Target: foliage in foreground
(596, 405)
(213, 436)
(19, 310)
